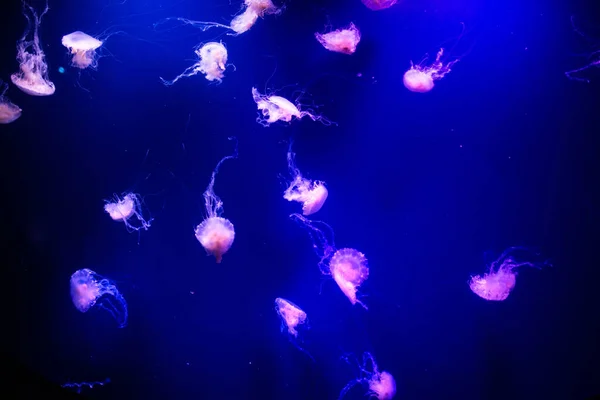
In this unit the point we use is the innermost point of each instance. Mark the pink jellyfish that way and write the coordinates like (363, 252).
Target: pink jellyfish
(377, 5)
(89, 289)
(277, 108)
(499, 281)
(83, 47)
(8, 111)
(122, 209)
(348, 267)
(341, 40)
(381, 385)
(212, 63)
(312, 194)
(420, 78)
(215, 233)
(292, 317)
(32, 77)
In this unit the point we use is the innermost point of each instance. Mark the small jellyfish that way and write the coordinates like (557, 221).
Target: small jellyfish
(291, 317)
(381, 385)
(341, 40)
(312, 194)
(420, 78)
(88, 289)
(32, 77)
(212, 63)
(276, 108)
(8, 111)
(122, 209)
(501, 277)
(215, 234)
(83, 47)
(348, 267)
(377, 5)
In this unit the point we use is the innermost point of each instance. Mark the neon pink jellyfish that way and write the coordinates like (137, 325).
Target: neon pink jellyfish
(277, 108)
(83, 47)
(122, 209)
(215, 233)
(32, 77)
(88, 289)
(312, 194)
(420, 78)
(381, 385)
(342, 40)
(501, 277)
(212, 63)
(377, 5)
(348, 267)
(292, 317)
(8, 111)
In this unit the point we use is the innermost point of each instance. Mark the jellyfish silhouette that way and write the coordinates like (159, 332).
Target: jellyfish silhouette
(83, 47)
(342, 40)
(276, 108)
(212, 62)
(123, 209)
(8, 111)
(292, 318)
(381, 385)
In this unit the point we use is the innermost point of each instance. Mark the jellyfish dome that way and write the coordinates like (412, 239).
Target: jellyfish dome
(291, 315)
(88, 289)
(122, 209)
(277, 108)
(381, 385)
(312, 194)
(8, 111)
(349, 269)
(377, 5)
(216, 235)
(341, 40)
(83, 47)
(212, 63)
(420, 78)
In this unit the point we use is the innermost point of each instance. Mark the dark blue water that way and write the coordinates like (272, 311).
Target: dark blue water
(502, 152)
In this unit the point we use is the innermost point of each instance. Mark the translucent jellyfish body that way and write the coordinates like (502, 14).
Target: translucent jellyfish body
(88, 289)
(500, 279)
(377, 5)
(32, 77)
(215, 234)
(341, 40)
(83, 47)
(312, 194)
(8, 111)
(212, 63)
(123, 209)
(276, 108)
(292, 317)
(381, 385)
(348, 267)
(420, 78)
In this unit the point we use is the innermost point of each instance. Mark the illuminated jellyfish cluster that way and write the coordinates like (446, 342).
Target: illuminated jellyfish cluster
(8, 111)
(212, 63)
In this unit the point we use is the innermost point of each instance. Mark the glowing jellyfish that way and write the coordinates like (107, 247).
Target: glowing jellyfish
(381, 385)
(277, 108)
(420, 78)
(88, 289)
(83, 47)
(215, 233)
(122, 209)
(292, 317)
(341, 40)
(8, 111)
(32, 77)
(501, 277)
(312, 194)
(348, 267)
(212, 63)
(377, 5)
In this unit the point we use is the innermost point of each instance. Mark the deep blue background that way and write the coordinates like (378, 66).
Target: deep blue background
(429, 186)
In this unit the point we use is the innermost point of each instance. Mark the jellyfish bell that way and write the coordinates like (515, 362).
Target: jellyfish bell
(341, 40)
(212, 62)
(290, 314)
(420, 77)
(377, 5)
(417, 81)
(312, 194)
(276, 108)
(216, 235)
(9, 112)
(83, 47)
(315, 198)
(122, 209)
(381, 384)
(349, 269)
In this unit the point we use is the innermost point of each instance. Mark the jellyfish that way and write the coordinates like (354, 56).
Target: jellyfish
(8, 111)
(341, 40)
(88, 289)
(122, 209)
(420, 78)
(215, 233)
(348, 267)
(501, 277)
(212, 63)
(312, 194)
(277, 108)
(377, 5)
(32, 77)
(83, 47)
(292, 317)
(381, 385)
(242, 22)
